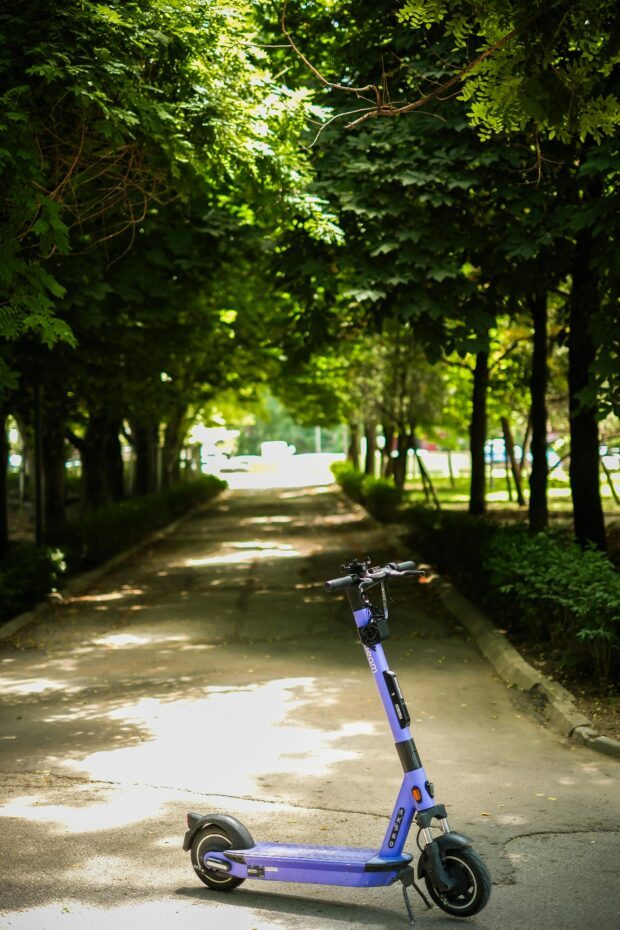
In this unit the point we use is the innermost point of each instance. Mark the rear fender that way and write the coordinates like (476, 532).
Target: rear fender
(240, 835)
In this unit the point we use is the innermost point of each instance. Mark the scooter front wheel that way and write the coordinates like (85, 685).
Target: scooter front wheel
(213, 839)
(473, 884)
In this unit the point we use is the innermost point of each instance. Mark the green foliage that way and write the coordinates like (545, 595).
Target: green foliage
(101, 533)
(573, 594)
(110, 109)
(542, 587)
(551, 65)
(27, 574)
(379, 496)
(350, 480)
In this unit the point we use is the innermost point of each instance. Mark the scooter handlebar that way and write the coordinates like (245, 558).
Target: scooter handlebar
(337, 583)
(371, 577)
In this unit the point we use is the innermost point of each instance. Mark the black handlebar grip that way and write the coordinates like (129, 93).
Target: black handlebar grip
(405, 566)
(336, 583)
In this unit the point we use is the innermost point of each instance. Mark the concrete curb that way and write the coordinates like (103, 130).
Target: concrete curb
(82, 582)
(551, 701)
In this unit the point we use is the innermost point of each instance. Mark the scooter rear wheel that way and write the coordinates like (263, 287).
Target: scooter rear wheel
(473, 884)
(213, 838)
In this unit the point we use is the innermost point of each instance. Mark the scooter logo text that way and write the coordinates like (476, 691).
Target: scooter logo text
(371, 660)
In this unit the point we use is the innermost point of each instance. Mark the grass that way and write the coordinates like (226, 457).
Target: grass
(456, 495)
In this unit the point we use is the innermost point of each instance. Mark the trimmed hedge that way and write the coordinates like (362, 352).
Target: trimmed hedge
(29, 572)
(98, 535)
(379, 496)
(542, 588)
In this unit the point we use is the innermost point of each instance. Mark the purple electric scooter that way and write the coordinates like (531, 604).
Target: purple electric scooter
(224, 854)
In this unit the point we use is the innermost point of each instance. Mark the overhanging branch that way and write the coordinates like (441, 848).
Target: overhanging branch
(382, 106)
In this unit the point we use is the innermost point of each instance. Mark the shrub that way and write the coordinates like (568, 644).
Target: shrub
(541, 587)
(453, 541)
(27, 573)
(574, 593)
(381, 498)
(350, 479)
(98, 535)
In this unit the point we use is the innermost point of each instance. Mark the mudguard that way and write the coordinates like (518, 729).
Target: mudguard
(443, 843)
(239, 834)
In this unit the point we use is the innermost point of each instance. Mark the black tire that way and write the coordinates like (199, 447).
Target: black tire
(213, 838)
(473, 888)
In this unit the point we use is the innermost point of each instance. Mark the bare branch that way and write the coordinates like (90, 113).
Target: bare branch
(331, 84)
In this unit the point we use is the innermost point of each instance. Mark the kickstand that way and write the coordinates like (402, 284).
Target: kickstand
(408, 879)
(408, 906)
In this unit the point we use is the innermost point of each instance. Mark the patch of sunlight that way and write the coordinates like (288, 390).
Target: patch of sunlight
(30, 685)
(498, 497)
(70, 914)
(263, 520)
(121, 640)
(115, 807)
(244, 556)
(220, 740)
(559, 492)
(111, 596)
(257, 544)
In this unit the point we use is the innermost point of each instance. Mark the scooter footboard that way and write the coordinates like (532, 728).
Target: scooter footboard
(324, 865)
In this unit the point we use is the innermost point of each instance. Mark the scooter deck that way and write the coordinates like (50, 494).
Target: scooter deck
(330, 865)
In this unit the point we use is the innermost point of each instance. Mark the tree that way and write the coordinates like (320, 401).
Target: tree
(145, 146)
(110, 108)
(536, 80)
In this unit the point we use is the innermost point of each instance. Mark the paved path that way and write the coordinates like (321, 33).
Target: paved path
(213, 673)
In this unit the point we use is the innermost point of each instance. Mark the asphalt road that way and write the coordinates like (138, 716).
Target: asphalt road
(211, 672)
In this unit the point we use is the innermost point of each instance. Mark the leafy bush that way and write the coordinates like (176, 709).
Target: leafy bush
(380, 496)
(452, 541)
(541, 587)
(27, 573)
(573, 595)
(98, 535)
(350, 479)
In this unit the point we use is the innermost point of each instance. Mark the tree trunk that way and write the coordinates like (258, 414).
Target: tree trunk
(610, 482)
(102, 465)
(53, 462)
(145, 447)
(387, 462)
(510, 452)
(427, 484)
(4, 472)
(525, 447)
(38, 465)
(538, 510)
(27, 466)
(478, 434)
(370, 432)
(400, 462)
(171, 470)
(588, 516)
(451, 469)
(353, 452)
